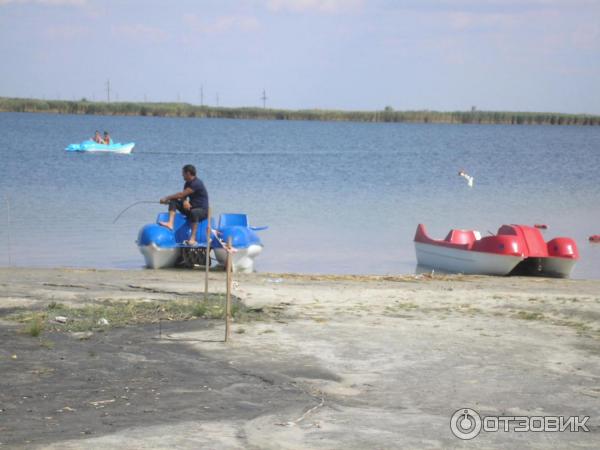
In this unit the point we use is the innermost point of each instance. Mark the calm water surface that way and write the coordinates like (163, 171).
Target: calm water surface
(338, 197)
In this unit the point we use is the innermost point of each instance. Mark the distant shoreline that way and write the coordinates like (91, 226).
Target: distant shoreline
(84, 106)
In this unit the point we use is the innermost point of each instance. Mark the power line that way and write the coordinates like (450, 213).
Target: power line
(264, 99)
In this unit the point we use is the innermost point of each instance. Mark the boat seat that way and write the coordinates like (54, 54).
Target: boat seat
(231, 220)
(467, 237)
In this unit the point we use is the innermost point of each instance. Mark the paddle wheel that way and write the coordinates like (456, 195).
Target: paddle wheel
(194, 257)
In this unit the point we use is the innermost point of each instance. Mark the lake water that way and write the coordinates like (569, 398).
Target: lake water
(338, 197)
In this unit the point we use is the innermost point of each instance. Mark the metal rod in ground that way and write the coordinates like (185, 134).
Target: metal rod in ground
(207, 262)
(228, 297)
(8, 230)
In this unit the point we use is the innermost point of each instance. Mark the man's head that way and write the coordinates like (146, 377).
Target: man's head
(106, 133)
(188, 172)
(97, 133)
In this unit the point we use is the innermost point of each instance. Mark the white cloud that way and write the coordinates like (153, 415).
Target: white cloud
(66, 32)
(320, 6)
(586, 36)
(523, 4)
(222, 24)
(140, 32)
(490, 21)
(46, 2)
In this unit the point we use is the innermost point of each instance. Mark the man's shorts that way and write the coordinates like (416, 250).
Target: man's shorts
(194, 215)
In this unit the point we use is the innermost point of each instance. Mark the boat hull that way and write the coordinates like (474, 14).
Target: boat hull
(243, 258)
(558, 267)
(164, 247)
(555, 267)
(93, 147)
(160, 257)
(464, 261)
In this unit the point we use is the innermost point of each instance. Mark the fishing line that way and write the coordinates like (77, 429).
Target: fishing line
(131, 206)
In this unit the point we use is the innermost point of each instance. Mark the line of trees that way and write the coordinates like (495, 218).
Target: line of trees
(84, 106)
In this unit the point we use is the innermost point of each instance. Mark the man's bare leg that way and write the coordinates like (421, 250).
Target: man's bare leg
(171, 221)
(192, 240)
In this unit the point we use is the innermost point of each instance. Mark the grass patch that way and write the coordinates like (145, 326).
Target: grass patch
(528, 315)
(89, 317)
(35, 325)
(406, 305)
(48, 345)
(200, 309)
(579, 327)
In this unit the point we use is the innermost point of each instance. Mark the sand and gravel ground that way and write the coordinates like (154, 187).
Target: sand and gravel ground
(328, 362)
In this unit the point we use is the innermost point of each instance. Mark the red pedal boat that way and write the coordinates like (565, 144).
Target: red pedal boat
(515, 250)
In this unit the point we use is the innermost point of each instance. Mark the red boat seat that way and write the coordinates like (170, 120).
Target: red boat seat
(467, 237)
(563, 248)
(530, 237)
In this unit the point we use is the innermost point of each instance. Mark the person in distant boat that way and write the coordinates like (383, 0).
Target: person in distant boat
(191, 202)
(107, 139)
(97, 138)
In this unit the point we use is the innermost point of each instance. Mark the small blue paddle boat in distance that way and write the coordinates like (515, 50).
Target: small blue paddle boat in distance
(94, 147)
(164, 248)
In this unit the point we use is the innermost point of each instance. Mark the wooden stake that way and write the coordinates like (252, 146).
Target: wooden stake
(8, 230)
(228, 304)
(207, 262)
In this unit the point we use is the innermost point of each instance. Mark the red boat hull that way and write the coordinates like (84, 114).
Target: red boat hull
(515, 249)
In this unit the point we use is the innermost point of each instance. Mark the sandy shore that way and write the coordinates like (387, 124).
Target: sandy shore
(346, 362)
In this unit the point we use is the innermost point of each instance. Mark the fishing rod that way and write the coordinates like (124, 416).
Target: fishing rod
(132, 205)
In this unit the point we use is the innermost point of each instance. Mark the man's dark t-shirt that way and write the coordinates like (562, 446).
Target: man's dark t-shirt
(198, 198)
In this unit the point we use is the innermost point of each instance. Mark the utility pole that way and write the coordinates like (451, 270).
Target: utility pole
(264, 99)
(201, 95)
(217, 99)
(108, 91)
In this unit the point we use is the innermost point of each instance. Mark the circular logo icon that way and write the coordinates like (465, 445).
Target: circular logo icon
(465, 424)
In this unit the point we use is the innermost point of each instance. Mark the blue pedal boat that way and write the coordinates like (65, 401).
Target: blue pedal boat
(164, 248)
(94, 147)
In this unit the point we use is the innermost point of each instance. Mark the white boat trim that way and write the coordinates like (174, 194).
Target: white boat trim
(243, 258)
(159, 257)
(558, 267)
(124, 149)
(464, 261)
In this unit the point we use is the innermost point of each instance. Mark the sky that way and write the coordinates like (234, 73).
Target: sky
(509, 55)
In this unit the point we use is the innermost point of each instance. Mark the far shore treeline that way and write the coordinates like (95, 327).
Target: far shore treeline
(388, 114)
